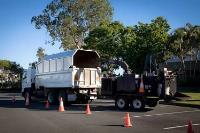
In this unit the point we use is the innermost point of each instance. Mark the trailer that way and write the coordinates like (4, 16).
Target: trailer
(125, 89)
(74, 75)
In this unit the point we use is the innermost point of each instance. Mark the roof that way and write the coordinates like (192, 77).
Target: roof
(68, 53)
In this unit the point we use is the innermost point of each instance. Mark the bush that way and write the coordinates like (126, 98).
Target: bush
(189, 81)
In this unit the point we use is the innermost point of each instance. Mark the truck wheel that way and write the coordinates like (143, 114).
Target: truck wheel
(121, 103)
(51, 97)
(153, 103)
(137, 104)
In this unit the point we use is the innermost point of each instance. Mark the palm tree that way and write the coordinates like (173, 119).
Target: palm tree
(179, 45)
(194, 35)
(186, 41)
(40, 53)
(193, 39)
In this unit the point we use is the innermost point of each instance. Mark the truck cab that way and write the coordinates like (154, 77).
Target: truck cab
(28, 80)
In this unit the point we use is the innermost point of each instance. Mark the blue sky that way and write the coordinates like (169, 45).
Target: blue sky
(19, 40)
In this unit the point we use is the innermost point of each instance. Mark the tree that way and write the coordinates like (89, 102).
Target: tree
(5, 64)
(69, 21)
(186, 41)
(11, 74)
(111, 40)
(12, 66)
(193, 40)
(130, 44)
(150, 39)
(40, 53)
(105, 39)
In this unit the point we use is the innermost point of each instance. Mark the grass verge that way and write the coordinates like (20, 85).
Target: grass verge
(194, 100)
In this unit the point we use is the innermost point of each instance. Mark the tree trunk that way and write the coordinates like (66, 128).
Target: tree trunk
(190, 65)
(183, 66)
(196, 61)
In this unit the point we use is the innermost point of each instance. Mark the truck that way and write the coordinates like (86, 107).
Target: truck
(74, 75)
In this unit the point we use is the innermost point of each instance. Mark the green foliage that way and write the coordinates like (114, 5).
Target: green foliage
(10, 75)
(111, 40)
(5, 64)
(12, 66)
(185, 41)
(40, 53)
(151, 39)
(106, 39)
(131, 44)
(69, 21)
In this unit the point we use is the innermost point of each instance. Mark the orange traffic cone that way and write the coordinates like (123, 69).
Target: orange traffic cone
(190, 130)
(61, 106)
(47, 104)
(13, 99)
(141, 89)
(27, 100)
(88, 112)
(127, 121)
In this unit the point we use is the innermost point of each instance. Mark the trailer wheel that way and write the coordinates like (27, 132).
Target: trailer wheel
(137, 104)
(153, 103)
(121, 103)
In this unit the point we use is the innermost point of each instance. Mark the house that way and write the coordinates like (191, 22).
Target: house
(192, 66)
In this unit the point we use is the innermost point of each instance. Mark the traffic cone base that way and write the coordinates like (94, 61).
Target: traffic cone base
(27, 100)
(127, 121)
(61, 106)
(88, 112)
(189, 129)
(13, 99)
(47, 105)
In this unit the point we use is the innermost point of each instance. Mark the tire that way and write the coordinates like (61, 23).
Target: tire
(168, 98)
(83, 99)
(121, 103)
(137, 104)
(152, 103)
(51, 97)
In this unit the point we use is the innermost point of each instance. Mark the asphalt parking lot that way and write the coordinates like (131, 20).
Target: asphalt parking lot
(16, 118)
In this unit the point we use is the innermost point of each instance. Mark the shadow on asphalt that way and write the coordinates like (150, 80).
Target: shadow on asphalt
(40, 106)
(114, 125)
(10, 104)
(193, 100)
(181, 104)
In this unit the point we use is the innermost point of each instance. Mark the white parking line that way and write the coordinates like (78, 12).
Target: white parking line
(164, 106)
(168, 128)
(170, 113)
(104, 111)
(97, 111)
